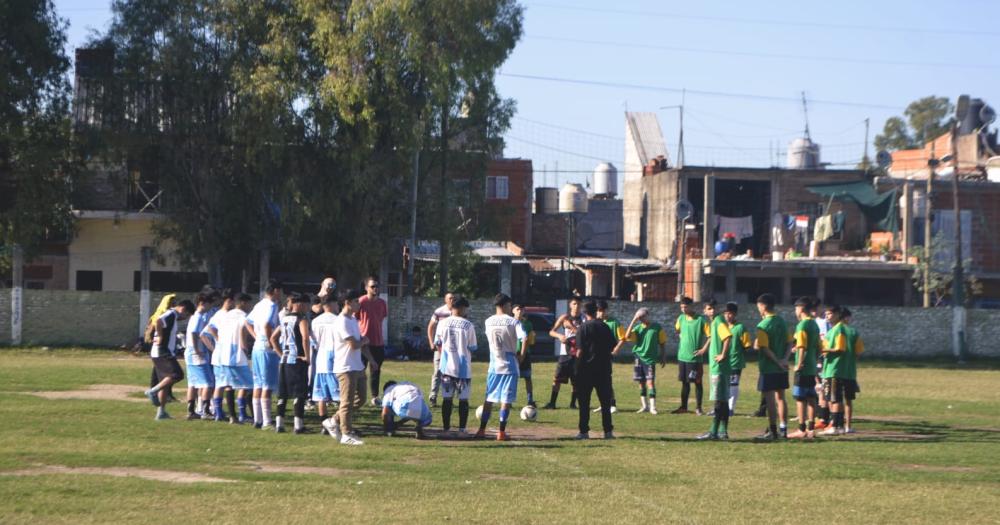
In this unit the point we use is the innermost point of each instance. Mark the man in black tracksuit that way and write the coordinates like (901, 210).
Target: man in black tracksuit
(594, 342)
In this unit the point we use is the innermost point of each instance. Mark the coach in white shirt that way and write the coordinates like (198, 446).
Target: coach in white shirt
(349, 346)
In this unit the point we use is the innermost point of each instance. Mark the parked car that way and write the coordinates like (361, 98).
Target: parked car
(541, 322)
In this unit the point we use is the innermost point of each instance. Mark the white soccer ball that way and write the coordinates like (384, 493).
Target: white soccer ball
(479, 413)
(529, 413)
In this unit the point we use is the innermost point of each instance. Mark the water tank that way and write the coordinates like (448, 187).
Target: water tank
(605, 181)
(803, 154)
(572, 199)
(993, 169)
(546, 201)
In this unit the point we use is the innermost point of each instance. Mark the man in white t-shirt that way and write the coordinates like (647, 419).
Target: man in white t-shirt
(325, 386)
(226, 337)
(456, 337)
(349, 346)
(442, 312)
(405, 401)
(502, 332)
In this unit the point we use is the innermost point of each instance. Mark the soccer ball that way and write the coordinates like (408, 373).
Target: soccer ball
(529, 413)
(479, 413)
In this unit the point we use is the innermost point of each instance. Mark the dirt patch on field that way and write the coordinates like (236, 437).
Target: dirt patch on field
(932, 468)
(99, 392)
(502, 477)
(169, 476)
(280, 468)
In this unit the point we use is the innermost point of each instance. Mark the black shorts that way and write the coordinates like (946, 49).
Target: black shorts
(804, 387)
(689, 372)
(851, 389)
(293, 380)
(525, 366)
(565, 369)
(834, 390)
(168, 367)
(773, 381)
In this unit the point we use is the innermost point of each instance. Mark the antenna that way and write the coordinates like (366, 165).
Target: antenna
(805, 113)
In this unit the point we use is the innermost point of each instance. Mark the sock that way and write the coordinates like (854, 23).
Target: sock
(204, 407)
(642, 392)
(838, 420)
(652, 393)
(463, 412)
(699, 393)
(614, 402)
(652, 402)
(299, 407)
(155, 389)
(715, 426)
(298, 423)
(446, 407)
(231, 403)
(279, 422)
(802, 427)
(217, 405)
(572, 398)
(258, 416)
(242, 404)
(504, 416)
(531, 398)
(824, 414)
(555, 395)
(161, 411)
(265, 411)
(642, 399)
(783, 425)
(685, 394)
(810, 425)
(723, 409)
(191, 406)
(281, 408)
(485, 419)
(734, 394)
(773, 428)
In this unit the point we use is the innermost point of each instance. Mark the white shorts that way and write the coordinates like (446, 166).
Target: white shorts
(452, 386)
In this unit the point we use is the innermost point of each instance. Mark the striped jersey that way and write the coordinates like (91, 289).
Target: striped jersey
(457, 338)
(502, 334)
(293, 347)
(165, 341)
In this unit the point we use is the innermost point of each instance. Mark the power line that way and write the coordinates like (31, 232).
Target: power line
(664, 89)
(780, 56)
(774, 22)
(575, 130)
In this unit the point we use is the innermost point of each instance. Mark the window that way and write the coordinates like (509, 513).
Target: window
(496, 188)
(89, 280)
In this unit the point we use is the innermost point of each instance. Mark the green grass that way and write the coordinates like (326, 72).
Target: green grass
(928, 450)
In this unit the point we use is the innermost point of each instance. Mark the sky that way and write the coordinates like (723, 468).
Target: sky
(742, 68)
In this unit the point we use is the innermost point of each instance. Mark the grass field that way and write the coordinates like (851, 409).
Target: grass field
(927, 450)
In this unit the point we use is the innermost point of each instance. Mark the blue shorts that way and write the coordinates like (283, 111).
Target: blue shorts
(501, 388)
(236, 377)
(265, 367)
(200, 376)
(326, 387)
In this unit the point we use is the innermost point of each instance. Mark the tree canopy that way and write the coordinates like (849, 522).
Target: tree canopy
(926, 119)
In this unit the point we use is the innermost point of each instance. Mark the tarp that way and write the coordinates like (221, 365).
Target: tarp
(880, 208)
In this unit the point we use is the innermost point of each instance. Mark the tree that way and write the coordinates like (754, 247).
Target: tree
(926, 119)
(941, 275)
(36, 149)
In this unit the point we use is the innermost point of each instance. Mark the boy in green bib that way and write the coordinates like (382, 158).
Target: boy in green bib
(836, 348)
(719, 342)
(692, 332)
(806, 349)
(737, 360)
(649, 339)
(772, 344)
(851, 387)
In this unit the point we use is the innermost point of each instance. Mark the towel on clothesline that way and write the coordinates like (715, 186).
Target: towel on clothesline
(824, 228)
(741, 227)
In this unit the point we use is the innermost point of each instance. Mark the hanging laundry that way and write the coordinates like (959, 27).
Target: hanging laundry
(824, 228)
(777, 230)
(741, 227)
(802, 233)
(838, 222)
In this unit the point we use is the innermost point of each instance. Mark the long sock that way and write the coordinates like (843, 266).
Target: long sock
(376, 377)
(838, 420)
(773, 428)
(810, 425)
(258, 416)
(652, 393)
(715, 425)
(298, 423)
(485, 419)
(685, 394)
(555, 395)
(281, 407)
(802, 426)
(642, 392)
(231, 403)
(242, 404)
(824, 414)
(446, 407)
(504, 416)
(652, 403)
(265, 410)
(642, 400)
(299, 407)
(217, 405)
(572, 398)
(734, 395)
(204, 407)
(721, 408)
(155, 389)
(191, 406)
(699, 393)
(463, 412)
(531, 398)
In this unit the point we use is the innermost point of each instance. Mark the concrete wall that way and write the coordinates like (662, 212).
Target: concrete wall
(114, 248)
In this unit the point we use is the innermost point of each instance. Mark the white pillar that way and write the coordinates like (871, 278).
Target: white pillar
(562, 306)
(144, 306)
(16, 296)
(506, 267)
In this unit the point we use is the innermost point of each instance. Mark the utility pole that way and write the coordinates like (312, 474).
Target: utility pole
(680, 135)
(17, 295)
(413, 222)
(864, 159)
(958, 278)
(927, 227)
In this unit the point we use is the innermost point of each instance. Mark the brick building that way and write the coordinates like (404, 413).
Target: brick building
(507, 209)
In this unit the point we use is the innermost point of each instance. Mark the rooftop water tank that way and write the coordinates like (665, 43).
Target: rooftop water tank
(803, 154)
(605, 181)
(572, 199)
(546, 201)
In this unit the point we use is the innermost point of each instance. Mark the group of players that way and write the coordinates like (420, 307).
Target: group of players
(313, 350)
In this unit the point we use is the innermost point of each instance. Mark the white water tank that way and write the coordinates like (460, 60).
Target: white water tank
(605, 181)
(803, 154)
(993, 169)
(572, 199)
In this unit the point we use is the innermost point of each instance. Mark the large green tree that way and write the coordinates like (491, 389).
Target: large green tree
(36, 153)
(926, 119)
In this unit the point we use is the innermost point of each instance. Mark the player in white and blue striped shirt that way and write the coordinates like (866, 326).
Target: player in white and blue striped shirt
(225, 335)
(164, 355)
(197, 357)
(292, 339)
(456, 336)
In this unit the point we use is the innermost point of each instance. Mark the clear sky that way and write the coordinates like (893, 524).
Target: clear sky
(744, 65)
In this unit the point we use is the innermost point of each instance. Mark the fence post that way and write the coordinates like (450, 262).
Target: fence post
(144, 306)
(17, 296)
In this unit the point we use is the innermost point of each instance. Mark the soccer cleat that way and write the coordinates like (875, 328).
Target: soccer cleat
(712, 413)
(767, 436)
(163, 416)
(434, 401)
(641, 410)
(220, 417)
(849, 430)
(348, 439)
(310, 406)
(708, 436)
(614, 409)
(724, 436)
(502, 436)
(572, 406)
(480, 434)
(698, 412)
(280, 429)
(831, 431)
(582, 435)
(258, 426)
(303, 430)
(652, 410)
(532, 404)
(234, 421)
(609, 435)
(549, 406)
(798, 434)
(760, 412)
(153, 398)
(374, 402)
(783, 432)
(462, 433)
(192, 416)
(680, 410)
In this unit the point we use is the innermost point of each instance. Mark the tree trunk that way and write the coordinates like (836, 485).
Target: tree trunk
(446, 232)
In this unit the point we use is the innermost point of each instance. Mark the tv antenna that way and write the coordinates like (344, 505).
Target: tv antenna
(805, 113)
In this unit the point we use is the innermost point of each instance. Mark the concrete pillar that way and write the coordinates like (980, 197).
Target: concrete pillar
(821, 289)
(506, 269)
(17, 295)
(265, 270)
(730, 282)
(907, 218)
(786, 290)
(907, 290)
(588, 282)
(614, 280)
(697, 280)
(146, 254)
(707, 238)
(562, 306)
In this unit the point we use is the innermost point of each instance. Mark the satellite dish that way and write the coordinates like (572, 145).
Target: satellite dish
(685, 210)
(883, 158)
(962, 107)
(987, 115)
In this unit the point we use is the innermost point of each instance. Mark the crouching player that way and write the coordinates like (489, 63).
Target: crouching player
(502, 332)
(406, 402)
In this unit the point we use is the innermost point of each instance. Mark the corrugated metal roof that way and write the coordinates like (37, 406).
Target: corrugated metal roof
(646, 134)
